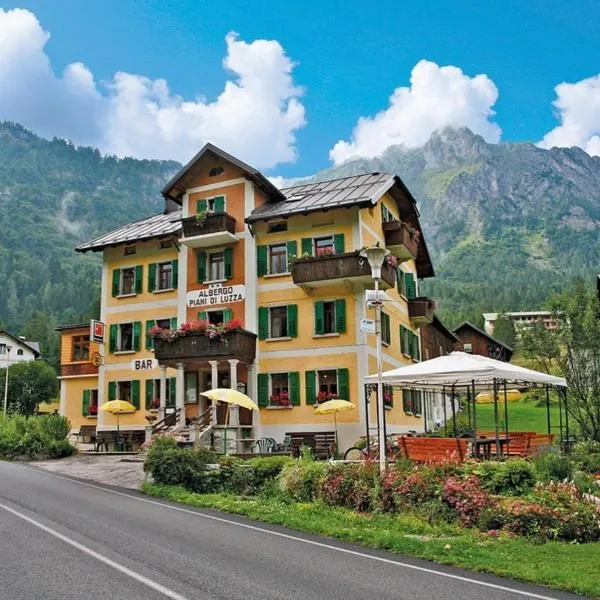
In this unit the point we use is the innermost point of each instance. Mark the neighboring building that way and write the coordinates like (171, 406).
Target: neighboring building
(16, 349)
(437, 339)
(282, 264)
(476, 341)
(521, 319)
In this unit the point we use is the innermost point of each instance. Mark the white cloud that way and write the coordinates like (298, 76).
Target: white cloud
(255, 117)
(438, 97)
(578, 106)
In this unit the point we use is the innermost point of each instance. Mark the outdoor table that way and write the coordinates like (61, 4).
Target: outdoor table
(483, 445)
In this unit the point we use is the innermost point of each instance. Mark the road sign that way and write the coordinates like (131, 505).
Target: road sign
(367, 325)
(97, 331)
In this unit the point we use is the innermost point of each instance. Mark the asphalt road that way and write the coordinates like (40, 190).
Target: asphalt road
(62, 539)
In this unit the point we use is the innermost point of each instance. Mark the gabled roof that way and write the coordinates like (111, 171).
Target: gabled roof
(75, 326)
(483, 333)
(180, 182)
(158, 226)
(33, 346)
(437, 323)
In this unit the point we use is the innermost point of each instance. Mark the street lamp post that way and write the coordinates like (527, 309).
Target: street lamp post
(376, 255)
(8, 349)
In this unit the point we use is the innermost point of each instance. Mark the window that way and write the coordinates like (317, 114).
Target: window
(215, 317)
(412, 402)
(2, 348)
(326, 385)
(277, 227)
(124, 390)
(216, 266)
(125, 338)
(323, 246)
(19, 352)
(81, 348)
(166, 244)
(164, 278)
(278, 389)
(163, 323)
(386, 215)
(211, 205)
(388, 395)
(330, 317)
(386, 334)
(278, 262)
(277, 322)
(153, 393)
(468, 348)
(278, 325)
(216, 171)
(89, 405)
(129, 250)
(127, 282)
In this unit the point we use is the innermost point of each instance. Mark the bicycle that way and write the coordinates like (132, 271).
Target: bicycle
(370, 452)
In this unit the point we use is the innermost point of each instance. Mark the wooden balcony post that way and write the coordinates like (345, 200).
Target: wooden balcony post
(163, 393)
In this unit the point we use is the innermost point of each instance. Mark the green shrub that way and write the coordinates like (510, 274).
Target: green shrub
(513, 477)
(60, 449)
(54, 427)
(553, 467)
(586, 456)
(300, 478)
(353, 486)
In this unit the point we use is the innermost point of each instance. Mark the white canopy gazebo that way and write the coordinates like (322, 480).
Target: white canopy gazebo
(461, 372)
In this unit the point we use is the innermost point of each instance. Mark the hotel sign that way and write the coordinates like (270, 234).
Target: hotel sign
(215, 295)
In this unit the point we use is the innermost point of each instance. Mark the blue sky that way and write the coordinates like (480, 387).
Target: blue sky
(350, 57)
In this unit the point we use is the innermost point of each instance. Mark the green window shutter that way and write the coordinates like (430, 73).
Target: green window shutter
(151, 277)
(292, 253)
(382, 212)
(261, 261)
(149, 338)
(219, 204)
(411, 288)
(343, 384)
(307, 246)
(175, 267)
(135, 393)
(149, 393)
(294, 387)
(338, 243)
(174, 323)
(409, 337)
(402, 342)
(201, 206)
(263, 323)
(401, 282)
(139, 277)
(112, 337)
(203, 316)
(201, 266)
(417, 348)
(319, 318)
(311, 387)
(228, 256)
(112, 390)
(116, 282)
(172, 383)
(227, 315)
(385, 328)
(85, 403)
(137, 335)
(263, 390)
(340, 316)
(292, 317)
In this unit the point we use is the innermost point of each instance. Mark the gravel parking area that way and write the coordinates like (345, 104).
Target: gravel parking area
(111, 470)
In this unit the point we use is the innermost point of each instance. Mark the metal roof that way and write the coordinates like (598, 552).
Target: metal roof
(145, 229)
(325, 195)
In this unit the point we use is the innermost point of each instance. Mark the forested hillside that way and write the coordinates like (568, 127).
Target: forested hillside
(507, 224)
(52, 197)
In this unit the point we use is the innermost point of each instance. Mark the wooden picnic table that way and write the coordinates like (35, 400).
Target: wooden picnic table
(483, 446)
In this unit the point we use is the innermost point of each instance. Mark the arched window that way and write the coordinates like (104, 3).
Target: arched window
(216, 171)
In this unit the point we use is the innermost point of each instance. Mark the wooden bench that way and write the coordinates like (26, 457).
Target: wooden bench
(434, 450)
(322, 443)
(539, 444)
(88, 431)
(128, 439)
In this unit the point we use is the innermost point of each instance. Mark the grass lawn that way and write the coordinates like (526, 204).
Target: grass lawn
(522, 416)
(572, 567)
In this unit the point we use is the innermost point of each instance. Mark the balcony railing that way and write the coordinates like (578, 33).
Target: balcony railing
(211, 229)
(240, 344)
(420, 310)
(75, 369)
(400, 241)
(337, 268)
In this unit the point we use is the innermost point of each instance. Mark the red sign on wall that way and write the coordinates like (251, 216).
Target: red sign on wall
(97, 331)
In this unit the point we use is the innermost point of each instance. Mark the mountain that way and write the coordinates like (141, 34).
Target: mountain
(507, 224)
(52, 197)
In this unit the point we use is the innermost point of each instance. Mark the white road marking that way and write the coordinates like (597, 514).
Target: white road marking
(381, 559)
(107, 561)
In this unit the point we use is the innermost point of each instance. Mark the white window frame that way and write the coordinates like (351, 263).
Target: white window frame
(337, 379)
(387, 214)
(322, 237)
(118, 348)
(209, 269)
(287, 325)
(157, 287)
(269, 246)
(118, 389)
(121, 279)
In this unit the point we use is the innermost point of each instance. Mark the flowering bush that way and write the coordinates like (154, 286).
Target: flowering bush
(281, 399)
(351, 486)
(199, 326)
(325, 396)
(467, 498)
(327, 251)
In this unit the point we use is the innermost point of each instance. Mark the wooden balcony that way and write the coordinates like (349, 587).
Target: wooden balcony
(213, 230)
(77, 369)
(399, 241)
(336, 269)
(198, 348)
(420, 310)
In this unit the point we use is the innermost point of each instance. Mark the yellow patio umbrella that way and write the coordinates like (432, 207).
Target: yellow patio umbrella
(118, 407)
(487, 398)
(333, 407)
(230, 397)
